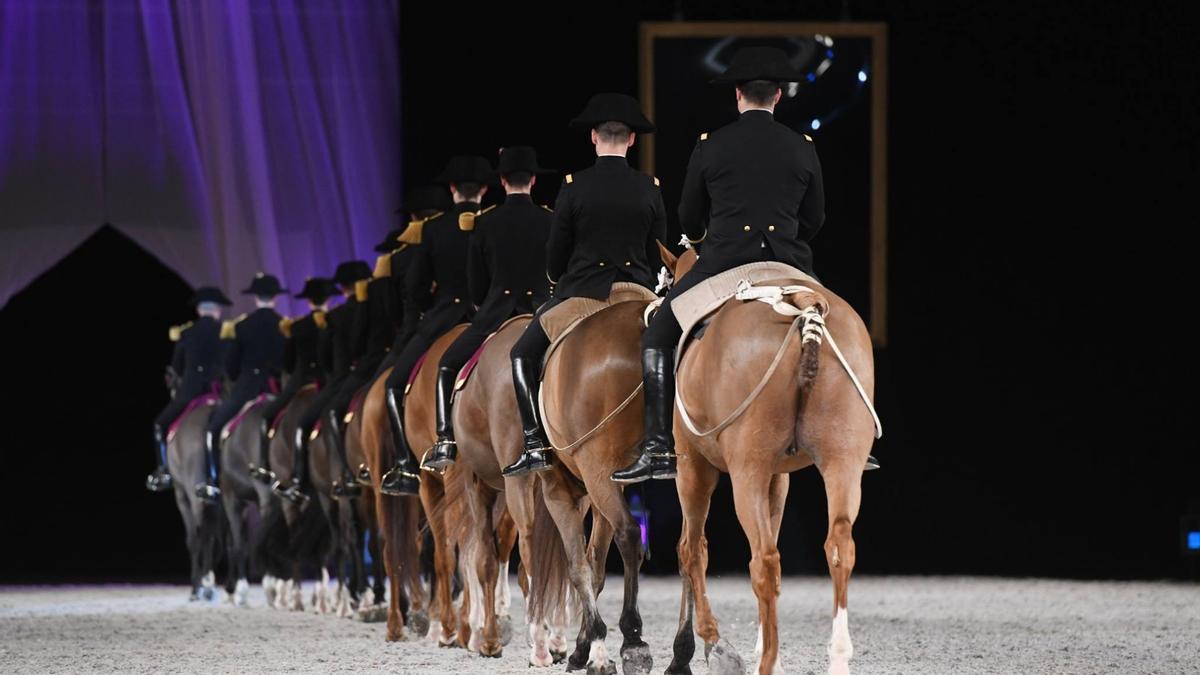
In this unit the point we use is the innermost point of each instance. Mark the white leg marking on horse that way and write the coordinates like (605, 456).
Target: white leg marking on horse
(503, 593)
(475, 616)
(539, 654)
(344, 608)
(598, 654)
(209, 580)
(840, 648)
(435, 630)
(296, 595)
(758, 646)
(268, 586)
(240, 592)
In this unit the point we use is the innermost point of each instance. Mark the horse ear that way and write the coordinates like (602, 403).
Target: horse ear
(668, 258)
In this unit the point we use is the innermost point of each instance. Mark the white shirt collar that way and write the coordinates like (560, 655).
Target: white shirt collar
(766, 110)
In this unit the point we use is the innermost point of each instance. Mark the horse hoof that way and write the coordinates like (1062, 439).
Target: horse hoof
(558, 657)
(723, 659)
(419, 622)
(506, 630)
(607, 668)
(372, 614)
(636, 659)
(194, 597)
(208, 594)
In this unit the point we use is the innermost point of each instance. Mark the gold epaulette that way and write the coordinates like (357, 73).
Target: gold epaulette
(569, 179)
(383, 266)
(285, 327)
(360, 290)
(466, 221)
(228, 330)
(656, 183)
(704, 136)
(412, 233)
(807, 138)
(176, 332)
(319, 318)
(546, 207)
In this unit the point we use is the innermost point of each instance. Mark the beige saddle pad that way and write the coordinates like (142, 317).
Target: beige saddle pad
(705, 298)
(560, 320)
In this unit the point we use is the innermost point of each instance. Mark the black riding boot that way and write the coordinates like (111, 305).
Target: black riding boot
(262, 472)
(536, 455)
(209, 491)
(444, 451)
(402, 479)
(293, 490)
(658, 446)
(348, 486)
(160, 480)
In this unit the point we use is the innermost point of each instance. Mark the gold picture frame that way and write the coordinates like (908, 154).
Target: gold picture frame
(651, 31)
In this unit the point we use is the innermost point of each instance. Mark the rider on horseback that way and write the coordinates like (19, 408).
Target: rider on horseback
(255, 352)
(196, 364)
(753, 193)
(607, 222)
(436, 285)
(505, 266)
(300, 362)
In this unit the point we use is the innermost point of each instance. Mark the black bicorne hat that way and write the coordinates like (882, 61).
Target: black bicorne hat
(210, 294)
(349, 272)
(610, 107)
(424, 199)
(516, 158)
(390, 241)
(317, 290)
(468, 169)
(759, 63)
(264, 286)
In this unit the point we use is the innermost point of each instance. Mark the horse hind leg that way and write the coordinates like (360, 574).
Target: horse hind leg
(751, 490)
(610, 506)
(843, 492)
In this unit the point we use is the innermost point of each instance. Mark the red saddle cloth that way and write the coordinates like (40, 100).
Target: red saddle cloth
(237, 419)
(464, 373)
(209, 399)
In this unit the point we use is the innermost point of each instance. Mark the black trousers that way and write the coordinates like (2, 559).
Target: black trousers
(319, 405)
(187, 391)
(244, 390)
(533, 343)
(404, 362)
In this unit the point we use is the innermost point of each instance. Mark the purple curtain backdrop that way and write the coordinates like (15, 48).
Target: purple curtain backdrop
(224, 136)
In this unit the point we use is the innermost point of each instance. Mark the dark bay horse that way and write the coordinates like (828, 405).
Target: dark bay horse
(202, 522)
(601, 357)
(828, 425)
(240, 449)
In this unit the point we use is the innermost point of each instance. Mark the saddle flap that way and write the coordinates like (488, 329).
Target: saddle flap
(560, 320)
(464, 373)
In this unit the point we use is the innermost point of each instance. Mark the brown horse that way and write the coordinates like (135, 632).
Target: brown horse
(488, 430)
(398, 519)
(600, 357)
(831, 427)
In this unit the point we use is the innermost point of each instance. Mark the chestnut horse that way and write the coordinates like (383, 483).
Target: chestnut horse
(591, 392)
(488, 431)
(830, 425)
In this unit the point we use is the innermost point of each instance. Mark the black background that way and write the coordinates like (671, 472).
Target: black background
(1036, 390)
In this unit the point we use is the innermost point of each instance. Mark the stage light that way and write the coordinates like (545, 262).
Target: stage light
(816, 124)
(862, 76)
(1193, 541)
(812, 77)
(829, 53)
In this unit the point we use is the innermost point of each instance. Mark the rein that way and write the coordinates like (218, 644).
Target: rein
(596, 429)
(810, 321)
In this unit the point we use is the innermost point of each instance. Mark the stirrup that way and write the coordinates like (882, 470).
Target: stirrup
(388, 484)
(292, 493)
(438, 458)
(872, 463)
(208, 492)
(364, 475)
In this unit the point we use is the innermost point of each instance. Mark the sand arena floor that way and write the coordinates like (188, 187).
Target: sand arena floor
(899, 625)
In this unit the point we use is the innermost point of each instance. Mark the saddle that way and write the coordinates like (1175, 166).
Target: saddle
(559, 321)
(695, 307)
(211, 400)
(464, 373)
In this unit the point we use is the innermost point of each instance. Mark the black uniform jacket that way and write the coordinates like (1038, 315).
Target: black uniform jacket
(437, 274)
(337, 340)
(374, 327)
(256, 350)
(606, 222)
(198, 355)
(506, 260)
(754, 183)
(404, 314)
(301, 351)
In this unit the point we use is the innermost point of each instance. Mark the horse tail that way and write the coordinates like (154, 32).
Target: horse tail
(549, 575)
(813, 307)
